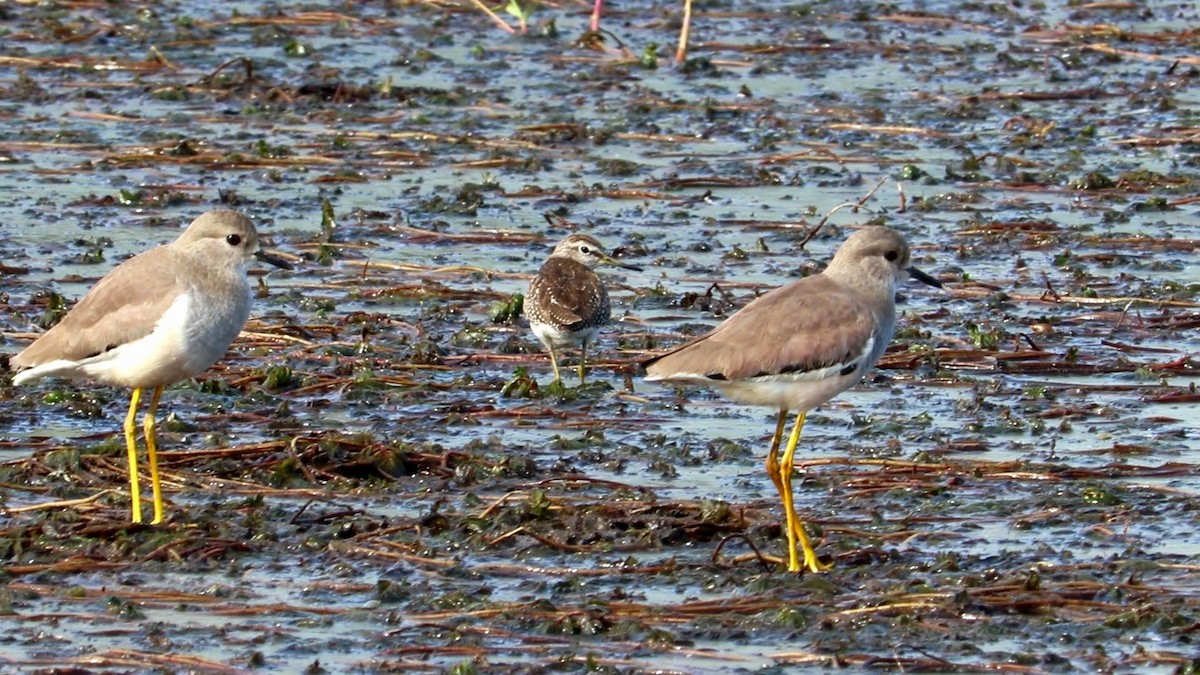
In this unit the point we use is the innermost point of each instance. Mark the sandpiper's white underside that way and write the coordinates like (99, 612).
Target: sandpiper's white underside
(553, 337)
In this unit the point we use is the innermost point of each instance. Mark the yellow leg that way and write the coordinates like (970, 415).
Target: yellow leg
(773, 453)
(152, 450)
(784, 490)
(796, 531)
(554, 362)
(582, 360)
(135, 495)
(785, 493)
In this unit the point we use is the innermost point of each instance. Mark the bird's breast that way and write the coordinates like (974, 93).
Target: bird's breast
(213, 322)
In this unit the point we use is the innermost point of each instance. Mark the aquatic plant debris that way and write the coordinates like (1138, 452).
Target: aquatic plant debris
(379, 476)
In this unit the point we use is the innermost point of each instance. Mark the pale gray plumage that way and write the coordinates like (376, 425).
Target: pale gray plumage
(800, 345)
(162, 316)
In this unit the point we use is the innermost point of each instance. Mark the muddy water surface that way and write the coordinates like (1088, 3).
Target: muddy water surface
(378, 478)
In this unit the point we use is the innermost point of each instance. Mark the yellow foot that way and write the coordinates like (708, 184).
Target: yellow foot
(811, 562)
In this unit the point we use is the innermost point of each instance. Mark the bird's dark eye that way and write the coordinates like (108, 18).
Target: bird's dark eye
(233, 239)
(584, 249)
(891, 256)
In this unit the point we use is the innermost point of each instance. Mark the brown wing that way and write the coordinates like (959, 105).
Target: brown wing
(808, 325)
(565, 292)
(120, 308)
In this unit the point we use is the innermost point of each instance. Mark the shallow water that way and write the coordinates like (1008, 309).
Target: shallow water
(441, 142)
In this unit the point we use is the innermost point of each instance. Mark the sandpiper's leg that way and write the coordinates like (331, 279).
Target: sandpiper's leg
(582, 359)
(795, 526)
(148, 425)
(554, 362)
(135, 495)
(597, 7)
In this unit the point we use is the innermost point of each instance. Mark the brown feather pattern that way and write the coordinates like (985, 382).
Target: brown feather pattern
(568, 295)
(796, 339)
(119, 309)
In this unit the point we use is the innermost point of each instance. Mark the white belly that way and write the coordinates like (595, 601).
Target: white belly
(187, 339)
(552, 337)
(784, 394)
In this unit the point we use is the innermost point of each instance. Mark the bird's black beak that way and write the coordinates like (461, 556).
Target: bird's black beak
(609, 260)
(923, 277)
(273, 258)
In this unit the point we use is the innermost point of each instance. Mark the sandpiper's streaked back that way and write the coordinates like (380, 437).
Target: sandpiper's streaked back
(567, 303)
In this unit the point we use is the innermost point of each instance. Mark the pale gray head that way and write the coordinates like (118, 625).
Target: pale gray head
(585, 250)
(225, 239)
(875, 257)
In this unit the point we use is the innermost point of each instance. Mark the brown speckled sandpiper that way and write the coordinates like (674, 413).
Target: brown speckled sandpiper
(567, 303)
